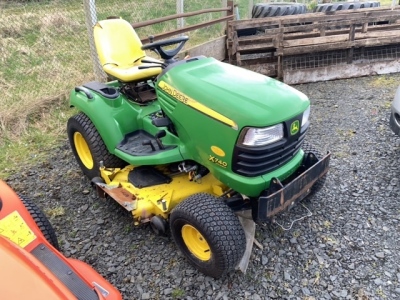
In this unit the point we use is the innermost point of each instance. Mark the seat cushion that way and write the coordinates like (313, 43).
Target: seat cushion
(119, 51)
(131, 72)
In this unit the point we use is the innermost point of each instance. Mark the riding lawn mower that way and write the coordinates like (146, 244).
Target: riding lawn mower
(32, 266)
(191, 145)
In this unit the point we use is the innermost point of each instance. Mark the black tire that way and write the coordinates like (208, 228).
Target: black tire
(307, 148)
(325, 7)
(80, 128)
(215, 232)
(41, 221)
(264, 10)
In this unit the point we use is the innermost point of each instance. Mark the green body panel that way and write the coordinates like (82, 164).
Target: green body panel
(247, 98)
(114, 118)
(244, 98)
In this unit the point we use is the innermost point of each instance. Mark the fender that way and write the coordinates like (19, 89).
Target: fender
(112, 117)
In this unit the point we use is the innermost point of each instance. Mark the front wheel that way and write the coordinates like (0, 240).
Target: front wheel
(88, 146)
(208, 233)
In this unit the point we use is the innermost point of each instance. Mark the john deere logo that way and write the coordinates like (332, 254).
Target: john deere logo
(294, 128)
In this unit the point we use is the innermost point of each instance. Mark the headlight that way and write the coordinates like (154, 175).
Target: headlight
(263, 136)
(306, 116)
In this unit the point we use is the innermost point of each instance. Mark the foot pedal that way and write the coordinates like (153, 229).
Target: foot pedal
(146, 176)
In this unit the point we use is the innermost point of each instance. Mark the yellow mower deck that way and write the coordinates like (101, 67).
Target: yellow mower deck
(156, 200)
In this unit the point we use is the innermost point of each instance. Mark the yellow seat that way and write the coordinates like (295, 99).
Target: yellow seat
(120, 54)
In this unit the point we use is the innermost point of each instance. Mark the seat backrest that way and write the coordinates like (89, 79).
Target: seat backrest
(117, 42)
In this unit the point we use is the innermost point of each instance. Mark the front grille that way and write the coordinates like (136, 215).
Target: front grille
(254, 161)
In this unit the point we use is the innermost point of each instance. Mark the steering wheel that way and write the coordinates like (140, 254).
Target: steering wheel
(166, 54)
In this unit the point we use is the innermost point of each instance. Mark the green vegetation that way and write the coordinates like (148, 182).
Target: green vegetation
(178, 293)
(54, 212)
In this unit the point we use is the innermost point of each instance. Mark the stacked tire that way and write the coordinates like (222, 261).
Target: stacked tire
(326, 7)
(277, 9)
(274, 9)
(331, 7)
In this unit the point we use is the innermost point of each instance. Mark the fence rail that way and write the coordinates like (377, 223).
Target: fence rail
(202, 21)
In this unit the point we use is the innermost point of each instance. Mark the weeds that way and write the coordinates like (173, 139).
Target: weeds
(55, 212)
(177, 293)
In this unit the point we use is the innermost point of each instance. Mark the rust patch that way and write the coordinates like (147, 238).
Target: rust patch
(119, 194)
(283, 197)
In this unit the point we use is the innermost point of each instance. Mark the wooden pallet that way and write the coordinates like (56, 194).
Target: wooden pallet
(315, 33)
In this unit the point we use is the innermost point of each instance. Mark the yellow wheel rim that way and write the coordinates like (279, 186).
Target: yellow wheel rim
(83, 150)
(196, 243)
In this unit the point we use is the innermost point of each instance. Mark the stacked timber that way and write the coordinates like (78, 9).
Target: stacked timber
(319, 46)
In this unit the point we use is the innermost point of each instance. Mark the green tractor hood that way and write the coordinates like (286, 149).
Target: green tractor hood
(245, 97)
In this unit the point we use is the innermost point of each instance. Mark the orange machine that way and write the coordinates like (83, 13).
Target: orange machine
(31, 265)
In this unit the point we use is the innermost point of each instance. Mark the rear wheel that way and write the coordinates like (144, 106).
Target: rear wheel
(309, 148)
(88, 146)
(208, 233)
(41, 221)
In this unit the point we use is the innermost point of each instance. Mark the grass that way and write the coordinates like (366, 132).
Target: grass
(177, 293)
(384, 81)
(45, 52)
(55, 212)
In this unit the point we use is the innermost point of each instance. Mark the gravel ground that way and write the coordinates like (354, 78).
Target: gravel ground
(347, 249)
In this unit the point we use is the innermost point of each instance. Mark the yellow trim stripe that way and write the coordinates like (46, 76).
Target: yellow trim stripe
(196, 105)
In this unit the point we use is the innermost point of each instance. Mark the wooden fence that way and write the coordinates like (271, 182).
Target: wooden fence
(319, 46)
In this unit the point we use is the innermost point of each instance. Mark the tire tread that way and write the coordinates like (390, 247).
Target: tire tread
(221, 226)
(41, 221)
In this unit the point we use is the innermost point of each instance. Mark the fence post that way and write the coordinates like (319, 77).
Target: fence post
(179, 10)
(251, 3)
(91, 19)
(224, 3)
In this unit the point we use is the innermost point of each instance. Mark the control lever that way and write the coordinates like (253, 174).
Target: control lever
(151, 40)
(148, 67)
(158, 136)
(149, 143)
(146, 61)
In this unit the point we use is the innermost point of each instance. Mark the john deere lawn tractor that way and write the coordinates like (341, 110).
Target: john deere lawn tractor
(188, 145)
